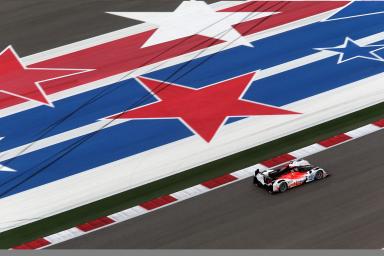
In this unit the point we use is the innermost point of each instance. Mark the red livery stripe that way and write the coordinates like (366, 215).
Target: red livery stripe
(94, 224)
(335, 140)
(219, 181)
(278, 160)
(35, 244)
(158, 202)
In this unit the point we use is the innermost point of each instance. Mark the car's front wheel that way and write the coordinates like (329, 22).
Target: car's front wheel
(319, 175)
(283, 187)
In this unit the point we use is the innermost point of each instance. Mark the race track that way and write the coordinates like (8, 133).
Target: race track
(343, 211)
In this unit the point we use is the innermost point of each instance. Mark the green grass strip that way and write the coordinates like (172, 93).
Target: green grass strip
(189, 178)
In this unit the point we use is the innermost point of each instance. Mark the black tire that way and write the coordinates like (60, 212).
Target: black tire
(283, 187)
(319, 175)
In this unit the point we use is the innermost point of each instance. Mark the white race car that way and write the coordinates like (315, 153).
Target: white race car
(295, 173)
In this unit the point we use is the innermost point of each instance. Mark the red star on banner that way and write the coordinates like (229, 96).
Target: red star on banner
(23, 82)
(203, 110)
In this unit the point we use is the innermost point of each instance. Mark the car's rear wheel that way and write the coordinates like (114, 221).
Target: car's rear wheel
(283, 187)
(319, 175)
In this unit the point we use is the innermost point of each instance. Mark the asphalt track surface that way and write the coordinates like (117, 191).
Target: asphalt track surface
(342, 211)
(33, 26)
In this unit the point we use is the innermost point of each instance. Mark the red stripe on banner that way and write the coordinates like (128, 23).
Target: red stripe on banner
(335, 140)
(289, 12)
(35, 244)
(219, 181)
(158, 202)
(126, 54)
(278, 160)
(112, 58)
(94, 224)
(379, 123)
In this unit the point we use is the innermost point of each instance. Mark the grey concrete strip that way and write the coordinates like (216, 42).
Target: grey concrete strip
(343, 211)
(33, 26)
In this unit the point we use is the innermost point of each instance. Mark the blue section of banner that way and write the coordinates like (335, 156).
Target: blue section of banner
(89, 151)
(358, 9)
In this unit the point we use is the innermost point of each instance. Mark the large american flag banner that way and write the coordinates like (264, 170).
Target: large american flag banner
(184, 87)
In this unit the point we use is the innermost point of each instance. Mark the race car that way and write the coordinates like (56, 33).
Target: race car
(295, 173)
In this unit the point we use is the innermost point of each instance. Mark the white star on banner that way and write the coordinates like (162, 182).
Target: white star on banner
(192, 18)
(351, 50)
